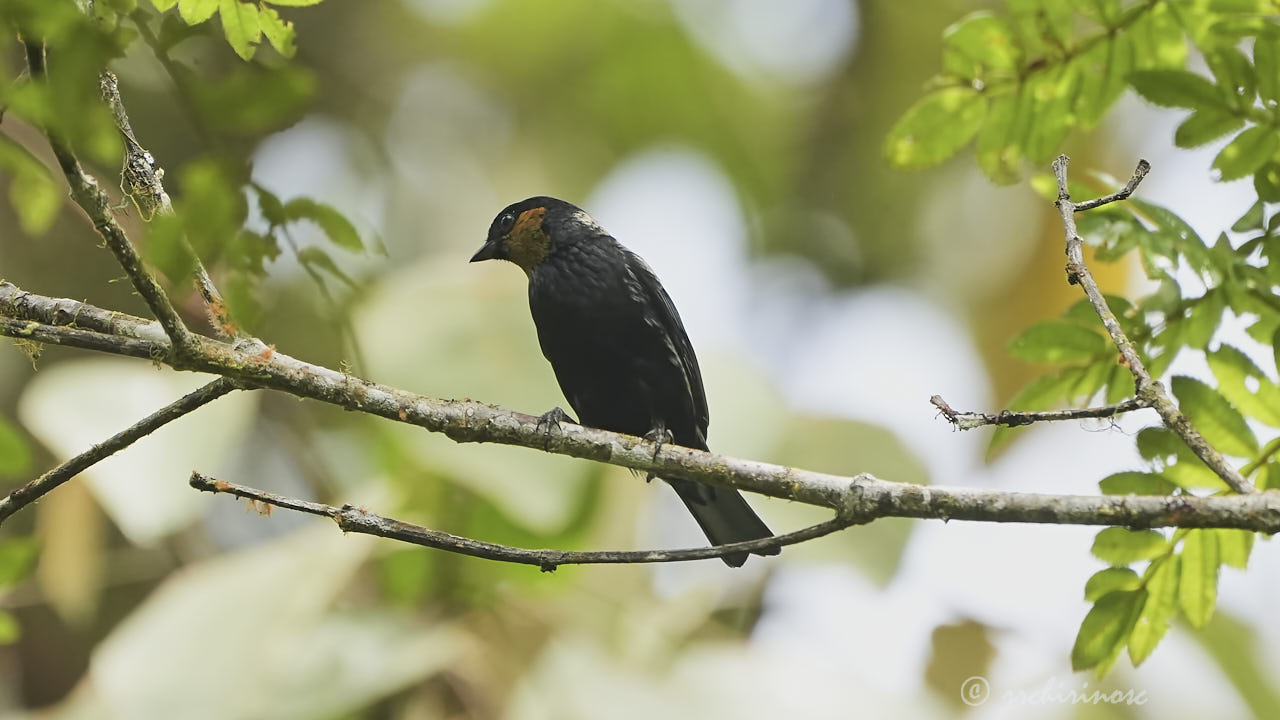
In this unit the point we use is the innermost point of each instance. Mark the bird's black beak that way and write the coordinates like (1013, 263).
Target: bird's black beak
(488, 251)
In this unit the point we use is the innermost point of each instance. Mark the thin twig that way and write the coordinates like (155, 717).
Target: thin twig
(1149, 390)
(142, 180)
(91, 198)
(1011, 418)
(862, 496)
(83, 339)
(359, 520)
(39, 487)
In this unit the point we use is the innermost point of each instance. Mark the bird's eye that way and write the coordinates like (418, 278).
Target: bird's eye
(505, 222)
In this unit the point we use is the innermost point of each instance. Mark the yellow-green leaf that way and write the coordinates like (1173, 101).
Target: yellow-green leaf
(1109, 580)
(1204, 126)
(1248, 152)
(1106, 628)
(935, 128)
(1198, 591)
(1217, 420)
(1121, 546)
(197, 11)
(1234, 546)
(1135, 483)
(240, 26)
(1158, 611)
(1245, 385)
(279, 32)
(1177, 88)
(1056, 341)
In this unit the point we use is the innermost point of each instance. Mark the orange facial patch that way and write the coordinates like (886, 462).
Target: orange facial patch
(527, 244)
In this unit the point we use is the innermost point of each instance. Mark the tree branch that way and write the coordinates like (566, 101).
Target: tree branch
(142, 181)
(862, 496)
(39, 487)
(1148, 390)
(971, 420)
(359, 520)
(86, 193)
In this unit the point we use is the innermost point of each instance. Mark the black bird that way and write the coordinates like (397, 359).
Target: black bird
(617, 345)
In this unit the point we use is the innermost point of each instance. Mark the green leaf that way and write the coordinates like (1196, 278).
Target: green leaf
(1266, 60)
(999, 151)
(1053, 95)
(1205, 316)
(240, 25)
(1199, 578)
(1177, 88)
(1106, 628)
(1234, 546)
(1234, 73)
(1220, 423)
(1056, 341)
(935, 128)
(1121, 546)
(1157, 611)
(1109, 580)
(1266, 181)
(16, 557)
(35, 196)
(271, 206)
(9, 629)
(279, 32)
(314, 257)
(1235, 373)
(1248, 152)
(336, 225)
(1105, 82)
(979, 43)
(1204, 126)
(1135, 483)
(163, 5)
(1158, 444)
(197, 11)
(1252, 219)
(15, 455)
(1120, 385)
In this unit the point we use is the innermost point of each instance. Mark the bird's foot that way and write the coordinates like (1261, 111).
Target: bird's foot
(551, 419)
(659, 436)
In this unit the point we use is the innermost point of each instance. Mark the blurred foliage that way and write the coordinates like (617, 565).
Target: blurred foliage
(559, 94)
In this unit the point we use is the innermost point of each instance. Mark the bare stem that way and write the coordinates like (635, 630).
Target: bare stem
(359, 520)
(1148, 390)
(1010, 418)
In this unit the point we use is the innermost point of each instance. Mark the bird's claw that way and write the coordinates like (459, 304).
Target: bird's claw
(659, 436)
(548, 420)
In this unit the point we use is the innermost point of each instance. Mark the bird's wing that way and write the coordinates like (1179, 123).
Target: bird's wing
(654, 296)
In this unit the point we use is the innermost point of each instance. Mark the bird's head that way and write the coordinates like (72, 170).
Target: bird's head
(526, 232)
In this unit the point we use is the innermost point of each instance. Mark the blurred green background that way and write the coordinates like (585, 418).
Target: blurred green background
(735, 145)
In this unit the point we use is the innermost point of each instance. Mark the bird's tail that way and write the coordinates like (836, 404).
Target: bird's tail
(725, 517)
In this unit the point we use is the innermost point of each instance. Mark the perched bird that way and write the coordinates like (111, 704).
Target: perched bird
(616, 344)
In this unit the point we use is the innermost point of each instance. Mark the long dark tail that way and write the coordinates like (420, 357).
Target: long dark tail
(725, 517)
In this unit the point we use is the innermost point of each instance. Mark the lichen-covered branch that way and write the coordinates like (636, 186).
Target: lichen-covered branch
(862, 497)
(1148, 390)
